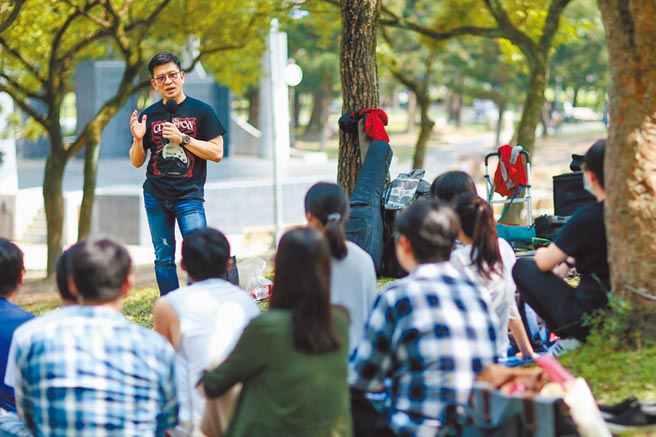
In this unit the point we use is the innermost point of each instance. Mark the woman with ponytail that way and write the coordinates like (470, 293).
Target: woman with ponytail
(488, 260)
(353, 276)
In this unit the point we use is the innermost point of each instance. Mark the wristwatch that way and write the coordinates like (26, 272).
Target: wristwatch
(185, 140)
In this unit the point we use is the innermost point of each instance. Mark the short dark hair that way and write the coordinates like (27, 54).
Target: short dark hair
(431, 227)
(163, 58)
(100, 267)
(328, 203)
(11, 266)
(451, 183)
(302, 286)
(205, 253)
(593, 160)
(63, 270)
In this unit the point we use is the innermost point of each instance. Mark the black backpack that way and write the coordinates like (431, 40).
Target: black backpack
(400, 192)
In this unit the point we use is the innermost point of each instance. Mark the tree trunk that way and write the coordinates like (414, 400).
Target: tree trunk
(501, 107)
(253, 97)
(359, 78)
(424, 132)
(91, 152)
(533, 105)
(630, 170)
(531, 116)
(54, 204)
(412, 110)
(317, 116)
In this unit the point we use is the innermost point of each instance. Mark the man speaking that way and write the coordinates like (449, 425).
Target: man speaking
(182, 134)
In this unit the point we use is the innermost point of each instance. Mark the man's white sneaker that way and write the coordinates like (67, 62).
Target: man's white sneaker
(563, 346)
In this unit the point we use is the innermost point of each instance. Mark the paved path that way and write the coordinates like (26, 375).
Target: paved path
(452, 152)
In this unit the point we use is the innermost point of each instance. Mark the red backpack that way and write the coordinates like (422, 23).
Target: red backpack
(510, 175)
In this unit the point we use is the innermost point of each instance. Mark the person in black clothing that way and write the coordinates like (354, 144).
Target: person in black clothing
(580, 243)
(182, 134)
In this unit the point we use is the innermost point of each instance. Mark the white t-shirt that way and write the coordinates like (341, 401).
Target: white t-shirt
(353, 285)
(213, 314)
(501, 287)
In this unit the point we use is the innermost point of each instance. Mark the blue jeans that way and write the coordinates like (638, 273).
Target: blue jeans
(162, 215)
(364, 226)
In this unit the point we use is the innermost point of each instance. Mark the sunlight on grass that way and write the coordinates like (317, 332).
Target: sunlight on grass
(612, 375)
(42, 306)
(139, 304)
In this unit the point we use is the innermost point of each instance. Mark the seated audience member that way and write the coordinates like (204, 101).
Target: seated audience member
(352, 272)
(580, 242)
(488, 260)
(84, 369)
(428, 335)
(292, 359)
(11, 315)
(451, 183)
(203, 320)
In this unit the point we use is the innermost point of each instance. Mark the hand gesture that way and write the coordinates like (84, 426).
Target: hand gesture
(138, 128)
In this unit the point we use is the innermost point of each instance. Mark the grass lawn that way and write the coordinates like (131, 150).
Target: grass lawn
(612, 375)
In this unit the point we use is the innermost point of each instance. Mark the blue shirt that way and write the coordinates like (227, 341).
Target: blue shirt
(87, 371)
(11, 317)
(428, 336)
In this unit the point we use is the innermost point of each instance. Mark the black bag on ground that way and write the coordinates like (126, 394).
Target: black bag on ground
(548, 226)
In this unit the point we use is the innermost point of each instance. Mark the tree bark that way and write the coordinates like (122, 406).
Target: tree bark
(54, 204)
(412, 111)
(425, 131)
(359, 76)
(91, 152)
(630, 169)
(533, 104)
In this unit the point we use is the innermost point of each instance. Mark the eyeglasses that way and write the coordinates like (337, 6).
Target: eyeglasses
(162, 77)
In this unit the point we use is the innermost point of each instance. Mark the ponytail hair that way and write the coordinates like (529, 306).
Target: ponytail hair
(328, 203)
(477, 222)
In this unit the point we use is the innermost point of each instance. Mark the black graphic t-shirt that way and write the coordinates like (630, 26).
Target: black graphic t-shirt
(174, 172)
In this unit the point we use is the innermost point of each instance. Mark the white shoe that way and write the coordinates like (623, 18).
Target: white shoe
(563, 346)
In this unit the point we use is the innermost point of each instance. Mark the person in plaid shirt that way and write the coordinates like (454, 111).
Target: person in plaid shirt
(428, 335)
(84, 369)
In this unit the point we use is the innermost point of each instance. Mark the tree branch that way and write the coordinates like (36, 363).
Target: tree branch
(552, 23)
(401, 23)
(4, 25)
(24, 61)
(511, 32)
(37, 116)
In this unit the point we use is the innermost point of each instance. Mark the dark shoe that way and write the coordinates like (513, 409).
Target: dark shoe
(617, 409)
(633, 419)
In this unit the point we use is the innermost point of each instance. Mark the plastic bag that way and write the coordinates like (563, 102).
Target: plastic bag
(251, 278)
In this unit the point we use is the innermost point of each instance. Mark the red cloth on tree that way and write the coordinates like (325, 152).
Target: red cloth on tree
(374, 123)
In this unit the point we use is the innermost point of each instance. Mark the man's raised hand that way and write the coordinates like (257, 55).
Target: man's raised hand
(138, 128)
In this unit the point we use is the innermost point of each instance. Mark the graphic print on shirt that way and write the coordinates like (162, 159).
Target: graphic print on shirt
(172, 159)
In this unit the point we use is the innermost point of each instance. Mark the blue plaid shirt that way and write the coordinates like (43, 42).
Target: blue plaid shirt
(87, 371)
(427, 337)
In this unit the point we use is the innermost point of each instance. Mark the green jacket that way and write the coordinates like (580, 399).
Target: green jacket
(285, 392)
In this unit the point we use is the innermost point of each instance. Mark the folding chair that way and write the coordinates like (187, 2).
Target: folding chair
(513, 163)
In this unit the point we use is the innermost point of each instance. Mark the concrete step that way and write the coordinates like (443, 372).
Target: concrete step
(37, 231)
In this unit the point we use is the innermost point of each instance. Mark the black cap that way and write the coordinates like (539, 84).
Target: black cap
(594, 160)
